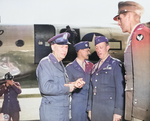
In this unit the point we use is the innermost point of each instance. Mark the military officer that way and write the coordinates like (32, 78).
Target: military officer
(80, 68)
(53, 81)
(10, 107)
(136, 61)
(106, 98)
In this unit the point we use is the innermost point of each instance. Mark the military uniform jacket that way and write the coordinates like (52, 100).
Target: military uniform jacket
(107, 90)
(51, 78)
(137, 66)
(79, 96)
(10, 103)
(75, 71)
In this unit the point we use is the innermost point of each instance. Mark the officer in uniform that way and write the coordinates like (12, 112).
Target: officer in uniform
(136, 61)
(80, 68)
(106, 98)
(53, 81)
(10, 107)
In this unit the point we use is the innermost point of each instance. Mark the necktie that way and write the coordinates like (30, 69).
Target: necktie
(99, 64)
(66, 75)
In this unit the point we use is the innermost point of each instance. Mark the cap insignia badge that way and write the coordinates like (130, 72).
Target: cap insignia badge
(139, 37)
(65, 36)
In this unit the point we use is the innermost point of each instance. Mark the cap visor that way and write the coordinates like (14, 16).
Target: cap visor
(116, 18)
(68, 43)
(63, 43)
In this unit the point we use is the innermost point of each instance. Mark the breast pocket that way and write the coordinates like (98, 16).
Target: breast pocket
(77, 76)
(106, 77)
(59, 77)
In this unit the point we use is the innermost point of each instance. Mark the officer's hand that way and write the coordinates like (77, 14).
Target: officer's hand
(116, 117)
(7, 84)
(11, 82)
(79, 83)
(4, 86)
(71, 86)
(89, 114)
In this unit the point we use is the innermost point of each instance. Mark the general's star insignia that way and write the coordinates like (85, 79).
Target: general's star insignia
(139, 37)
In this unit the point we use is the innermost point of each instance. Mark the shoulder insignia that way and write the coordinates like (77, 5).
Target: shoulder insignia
(139, 37)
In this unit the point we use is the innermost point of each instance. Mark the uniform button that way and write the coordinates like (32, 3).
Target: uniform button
(96, 80)
(95, 87)
(105, 72)
(96, 73)
(94, 93)
(8, 96)
(110, 98)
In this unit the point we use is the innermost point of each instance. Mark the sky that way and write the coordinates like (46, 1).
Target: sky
(67, 12)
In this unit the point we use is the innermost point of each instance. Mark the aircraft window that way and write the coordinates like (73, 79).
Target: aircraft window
(115, 45)
(19, 43)
(1, 43)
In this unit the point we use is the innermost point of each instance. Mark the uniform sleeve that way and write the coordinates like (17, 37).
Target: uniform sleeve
(70, 75)
(2, 90)
(90, 97)
(47, 84)
(119, 84)
(90, 93)
(141, 71)
(17, 87)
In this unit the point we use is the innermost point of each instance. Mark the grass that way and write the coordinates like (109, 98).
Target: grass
(29, 95)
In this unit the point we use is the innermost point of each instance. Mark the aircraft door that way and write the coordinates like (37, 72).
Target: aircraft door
(42, 33)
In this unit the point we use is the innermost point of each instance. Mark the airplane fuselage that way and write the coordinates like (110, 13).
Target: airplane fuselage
(23, 46)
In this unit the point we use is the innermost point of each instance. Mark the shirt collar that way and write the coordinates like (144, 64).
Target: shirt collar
(130, 36)
(53, 58)
(104, 58)
(80, 62)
